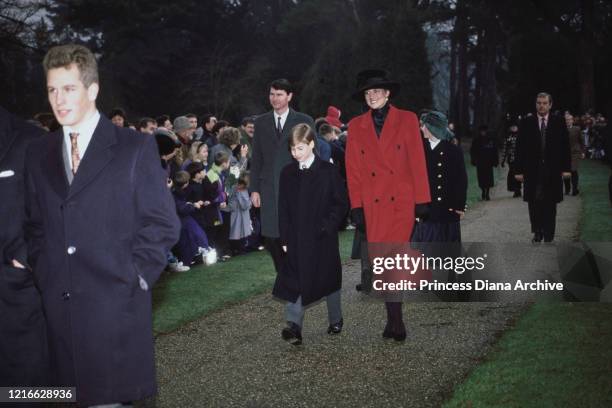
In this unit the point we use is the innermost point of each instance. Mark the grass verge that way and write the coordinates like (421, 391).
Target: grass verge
(558, 354)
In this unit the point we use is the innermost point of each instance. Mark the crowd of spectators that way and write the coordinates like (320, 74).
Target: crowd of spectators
(207, 164)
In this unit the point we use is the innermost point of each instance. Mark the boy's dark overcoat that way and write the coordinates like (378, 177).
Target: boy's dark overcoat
(312, 204)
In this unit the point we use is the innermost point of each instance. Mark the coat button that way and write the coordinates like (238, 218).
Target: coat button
(392, 198)
(398, 147)
(71, 250)
(439, 164)
(362, 151)
(439, 198)
(439, 176)
(376, 200)
(441, 153)
(439, 187)
(373, 174)
(66, 295)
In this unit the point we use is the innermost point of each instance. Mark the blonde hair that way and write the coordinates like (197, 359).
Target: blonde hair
(301, 133)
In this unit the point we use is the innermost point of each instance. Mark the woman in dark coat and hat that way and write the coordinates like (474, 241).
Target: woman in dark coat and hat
(386, 174)
(447, 182)
(312, 203)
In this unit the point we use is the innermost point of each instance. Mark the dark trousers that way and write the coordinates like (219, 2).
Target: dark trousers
(512, 183)
(275, 249)
(222, 244)
(542, 216)
(573, 181)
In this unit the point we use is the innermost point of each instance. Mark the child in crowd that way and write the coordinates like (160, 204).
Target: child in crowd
(312, 203)
(193, 241)
(213, 190)
(239, 205)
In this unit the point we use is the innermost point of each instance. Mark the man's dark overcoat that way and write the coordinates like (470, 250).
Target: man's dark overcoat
(23, 343)
(312, 204)
(89, 242)
(530, 161)
(270, 156)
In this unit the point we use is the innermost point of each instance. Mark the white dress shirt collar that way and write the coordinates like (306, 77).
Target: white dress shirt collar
(85, 134)
(433, 142)
(308, 162)
(283, 117)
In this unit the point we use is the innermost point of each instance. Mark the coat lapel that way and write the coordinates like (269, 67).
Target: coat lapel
(97, 156)
(389, 130)
(54, 165)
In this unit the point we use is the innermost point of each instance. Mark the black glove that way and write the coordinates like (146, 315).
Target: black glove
(358, 219)
(421, 211)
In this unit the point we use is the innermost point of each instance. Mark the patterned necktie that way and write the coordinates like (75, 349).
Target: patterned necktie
(74, 151)
(279, 127)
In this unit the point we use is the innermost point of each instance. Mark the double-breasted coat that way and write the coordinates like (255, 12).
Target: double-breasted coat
(312, 204)
(386, 175)
(23, 344)
(270, 156)
(90, 243)
(542, 169)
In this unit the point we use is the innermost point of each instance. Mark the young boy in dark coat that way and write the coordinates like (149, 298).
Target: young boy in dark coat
(312, 204)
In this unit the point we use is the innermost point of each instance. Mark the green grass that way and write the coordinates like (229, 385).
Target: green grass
(596, 220)
(473, 191)
(558, 354)
(179, 298)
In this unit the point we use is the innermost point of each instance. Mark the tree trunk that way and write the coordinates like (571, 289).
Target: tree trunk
(586, 65)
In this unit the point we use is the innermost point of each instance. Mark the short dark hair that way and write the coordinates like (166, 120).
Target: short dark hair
(190, 115)
(117, 112)
(282, 84)
(206, 117)
(221, 157)
(143, 122)
(194, 168)
(181, 178)
(229, 136)
(247, 120)
(161, 119)
(325, 129)
(220, 124)
(318, 122)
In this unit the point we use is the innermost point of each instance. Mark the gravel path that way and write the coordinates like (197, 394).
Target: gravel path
(235, 357)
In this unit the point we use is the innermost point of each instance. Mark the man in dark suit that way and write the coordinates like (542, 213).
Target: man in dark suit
(23, 344)
(542, 160)
(100, 221)
(270, 156)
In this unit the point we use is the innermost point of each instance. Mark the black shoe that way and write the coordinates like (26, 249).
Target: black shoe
(516, 194)
(359, 287)
(292, 334)
(336, 327)
(387, 333)
(575, 193)
(400, 332)
(537, 238)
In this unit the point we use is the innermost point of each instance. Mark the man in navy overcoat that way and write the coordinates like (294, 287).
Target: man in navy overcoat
(100, 222)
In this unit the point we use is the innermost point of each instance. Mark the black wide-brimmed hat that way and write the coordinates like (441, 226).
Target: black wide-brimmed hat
(372, 79)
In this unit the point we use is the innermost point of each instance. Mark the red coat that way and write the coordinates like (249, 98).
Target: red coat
(387, 176)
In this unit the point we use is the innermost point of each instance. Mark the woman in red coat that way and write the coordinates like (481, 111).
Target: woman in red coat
(386, 173)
